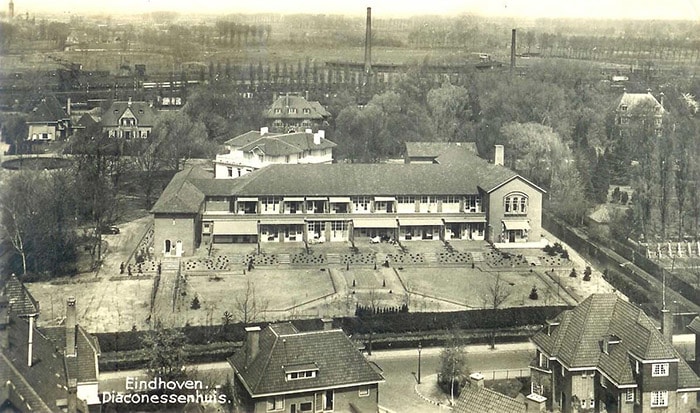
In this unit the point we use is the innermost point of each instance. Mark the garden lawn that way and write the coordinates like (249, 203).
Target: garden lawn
(470, 287)
(103, 305)
(280, 289)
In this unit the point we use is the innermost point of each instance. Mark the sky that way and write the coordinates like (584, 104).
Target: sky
(616, 9)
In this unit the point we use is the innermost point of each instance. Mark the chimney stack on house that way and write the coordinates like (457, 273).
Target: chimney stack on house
(68, 102)
(476, 379)
(252, 343)
(368, 42)
(535, 403)
(264, 130)
(667, 324)
(319, 136)
(71, 323)
(72, 402)
(129, 102)
(499, 155)
(661, 99)
(512, 50)
(327, 324)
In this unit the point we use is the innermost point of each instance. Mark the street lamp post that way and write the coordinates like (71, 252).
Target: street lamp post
(419, 350)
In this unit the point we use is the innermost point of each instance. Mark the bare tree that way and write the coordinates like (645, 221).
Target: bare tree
(497, 293)
(247, 306)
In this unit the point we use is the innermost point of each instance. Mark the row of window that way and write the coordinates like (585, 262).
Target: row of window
(293, 110)
(322, 402)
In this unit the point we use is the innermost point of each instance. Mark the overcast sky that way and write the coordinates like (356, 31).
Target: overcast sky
(634, 9)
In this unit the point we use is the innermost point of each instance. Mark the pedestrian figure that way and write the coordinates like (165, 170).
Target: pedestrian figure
(121, 268)
(159, 268)
(128, 269)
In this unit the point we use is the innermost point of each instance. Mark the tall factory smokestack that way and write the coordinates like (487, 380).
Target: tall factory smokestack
(368, 42)
(512, 51)
(11, 10)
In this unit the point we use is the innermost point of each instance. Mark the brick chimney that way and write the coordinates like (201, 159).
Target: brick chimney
(535, 403)
(72, 396)
(71, 322)
(327, 323)
(667, 324)
(476, 379)
(252, 343)
(498, 155)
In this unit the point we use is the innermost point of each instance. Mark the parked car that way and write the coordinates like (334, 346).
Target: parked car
(108, 229)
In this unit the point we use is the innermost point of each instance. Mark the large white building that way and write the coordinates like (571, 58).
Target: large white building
(256, 149)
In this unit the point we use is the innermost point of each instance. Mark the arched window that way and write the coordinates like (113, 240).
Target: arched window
(167, 246)
(515, 203)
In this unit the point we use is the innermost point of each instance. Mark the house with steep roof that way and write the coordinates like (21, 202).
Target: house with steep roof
(280, 369)
(607, 355)
(129, 120)
(51, 369)
(471, 200)
(640, 109)
(49, 121)
(256, 149)
(290, 113)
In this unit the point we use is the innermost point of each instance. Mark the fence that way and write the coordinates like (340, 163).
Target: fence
(506, 374)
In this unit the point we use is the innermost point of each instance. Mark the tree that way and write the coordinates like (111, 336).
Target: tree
(247, 306)
(97, 168)
(179, 139)
(15, 132)
(535, 150)
(496, 294)
(448, 107)
(165, 352)
(36, 209)
(454, 368)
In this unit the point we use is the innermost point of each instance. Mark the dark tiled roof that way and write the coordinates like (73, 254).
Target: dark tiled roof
(375, 179)
(86, 121)
(142, 111)
(694, 325)
(46, 377)
(17, 391)
(82, 367)
(339, 362)
(186, 191)
(443, 152)
(316, 111)
(576, 341)
(181, 195)
(21, 301)
(49, 110)
(479, 399)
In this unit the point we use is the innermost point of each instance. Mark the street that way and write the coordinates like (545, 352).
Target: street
(398, 366)
(400, 371)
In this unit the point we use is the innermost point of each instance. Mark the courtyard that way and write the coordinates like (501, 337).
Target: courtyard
(285, 281)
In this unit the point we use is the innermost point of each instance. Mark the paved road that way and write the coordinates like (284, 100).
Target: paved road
(400, 368)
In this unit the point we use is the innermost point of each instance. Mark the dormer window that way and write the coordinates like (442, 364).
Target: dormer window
(623, 107)
(278, 110)
(300, 372)
(659, 369)
(292, 110)
(307, 111)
